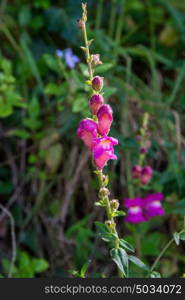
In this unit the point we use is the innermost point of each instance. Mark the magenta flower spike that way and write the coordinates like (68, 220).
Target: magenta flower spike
(87, 131)
(153, 206)
(105, 119)
(97, 83)
(146, 175)
(136, 171)
(95, 103)
(103, 150)
(135, 210)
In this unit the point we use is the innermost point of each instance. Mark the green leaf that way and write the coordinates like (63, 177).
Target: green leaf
(118, 213)
(108, 237)
(105, 233)
(120, 257)
(176, 237)
(126, 245)
(104, 68)
(6, 266)
(138, 262)
(155, 274)
(182, 236)
(84, 269)
(79, 104)
(109, 91)
(39, 265)
(53, 89)
(102, 228)
(51, 62)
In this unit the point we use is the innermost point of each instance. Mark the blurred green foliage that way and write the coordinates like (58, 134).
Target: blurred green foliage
(46, 180)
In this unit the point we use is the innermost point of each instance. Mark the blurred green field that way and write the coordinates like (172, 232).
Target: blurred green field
(46, 175)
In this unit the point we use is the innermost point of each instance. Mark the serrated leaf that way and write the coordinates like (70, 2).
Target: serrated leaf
(120, 257)
(126, 245)
(138, 262)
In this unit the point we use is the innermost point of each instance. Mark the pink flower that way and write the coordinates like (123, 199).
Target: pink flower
(135, 210)
(97, 83)
(105, 119)
(136, 171)
(96, 59)
(95, 102)
(87, 131)
(146, 175)
(153, 206)
(103, 150)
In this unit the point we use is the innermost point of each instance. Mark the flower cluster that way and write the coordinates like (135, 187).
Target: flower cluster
(143, 174)
(94, 132)
(143, 209)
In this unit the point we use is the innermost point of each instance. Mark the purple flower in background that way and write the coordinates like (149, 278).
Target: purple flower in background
(153, 206)
(146, 175)
(59, 53)
(136, 171)
(143, 209)
(70, 59)
(135, 210)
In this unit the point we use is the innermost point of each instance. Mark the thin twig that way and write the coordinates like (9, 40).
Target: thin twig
(14, 251)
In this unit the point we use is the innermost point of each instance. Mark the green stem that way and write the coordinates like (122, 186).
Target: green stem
(163, 251)
(161, 254)
(88, 57)
(108, 209)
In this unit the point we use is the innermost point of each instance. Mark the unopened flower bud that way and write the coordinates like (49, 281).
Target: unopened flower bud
(81, 24)
(97, 83)
(95, 103)
(114, 204)
(143, 150)
(146, 175)
(136, 171)
(108, 223)
(104, 192)
(96, 59)
(105, 119)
